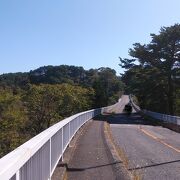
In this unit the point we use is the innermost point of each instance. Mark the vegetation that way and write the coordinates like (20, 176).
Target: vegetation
(31, 102)
(12, 121)
(153, 74)
(107, 86)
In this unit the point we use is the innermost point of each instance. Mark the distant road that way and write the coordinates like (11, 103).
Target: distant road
(154, 151)
(119, 106)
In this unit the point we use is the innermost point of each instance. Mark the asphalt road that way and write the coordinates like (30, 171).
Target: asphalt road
(119, 106)
(153, 151)
(91, 159)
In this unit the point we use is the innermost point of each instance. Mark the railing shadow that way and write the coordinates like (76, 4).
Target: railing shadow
(123, 118)
(153, 165)
(86, 168)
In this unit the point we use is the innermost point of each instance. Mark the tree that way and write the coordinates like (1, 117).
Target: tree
(42, 107)
(106, 84)
(12, 121)
(108, 87)
(162, 55)
(47, 104)
(24, 114)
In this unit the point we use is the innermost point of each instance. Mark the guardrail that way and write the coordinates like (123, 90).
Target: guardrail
(37, 158)
(163, 117)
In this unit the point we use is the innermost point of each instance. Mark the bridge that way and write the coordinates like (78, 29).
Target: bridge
(102, 144)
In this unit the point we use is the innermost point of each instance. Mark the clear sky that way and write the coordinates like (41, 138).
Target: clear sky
(88, 33)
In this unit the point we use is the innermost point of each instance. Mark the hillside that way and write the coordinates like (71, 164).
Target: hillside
(31, 102)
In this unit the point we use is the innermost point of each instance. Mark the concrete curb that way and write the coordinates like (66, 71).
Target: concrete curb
(120, 170)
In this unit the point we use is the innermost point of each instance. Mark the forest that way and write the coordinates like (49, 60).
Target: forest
(31, 102)
(153, 72)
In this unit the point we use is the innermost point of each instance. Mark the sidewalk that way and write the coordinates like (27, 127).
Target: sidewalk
(91, 159)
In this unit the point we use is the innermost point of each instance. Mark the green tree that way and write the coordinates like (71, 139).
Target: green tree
(74, 99)
(104, 81)
(161, 56)
(47, 104)
(108, 87)
(42, 103)
(12, 121)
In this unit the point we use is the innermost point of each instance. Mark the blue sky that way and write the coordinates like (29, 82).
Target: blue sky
(88, 33)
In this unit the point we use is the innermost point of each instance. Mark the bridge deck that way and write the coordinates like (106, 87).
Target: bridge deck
(152, 151)
(92, 159)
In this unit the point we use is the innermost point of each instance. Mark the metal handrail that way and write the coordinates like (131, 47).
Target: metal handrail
(159, 116)
(37, 158)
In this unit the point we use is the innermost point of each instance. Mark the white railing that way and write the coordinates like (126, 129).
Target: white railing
(37, 158)
(163, 117)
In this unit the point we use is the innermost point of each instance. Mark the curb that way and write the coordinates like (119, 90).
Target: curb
(119, 168)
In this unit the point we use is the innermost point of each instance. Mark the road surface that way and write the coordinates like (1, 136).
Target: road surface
(154, 151)
(92, 159)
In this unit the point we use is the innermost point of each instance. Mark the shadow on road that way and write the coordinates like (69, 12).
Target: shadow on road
(83, 169)
(123, 118)
(153, 165)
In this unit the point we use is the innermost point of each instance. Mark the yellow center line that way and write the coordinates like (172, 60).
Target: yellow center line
(159, 140)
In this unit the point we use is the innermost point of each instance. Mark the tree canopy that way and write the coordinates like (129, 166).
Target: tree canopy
(153, 72)
(31, 102)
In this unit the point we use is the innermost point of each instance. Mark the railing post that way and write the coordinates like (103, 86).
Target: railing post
(69, 131)
(18, 175)
(62, 143)
(50, 159)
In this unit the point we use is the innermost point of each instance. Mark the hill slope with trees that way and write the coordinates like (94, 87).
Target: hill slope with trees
(31, 102)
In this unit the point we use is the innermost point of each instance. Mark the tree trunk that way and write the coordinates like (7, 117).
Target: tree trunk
(170, 96)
